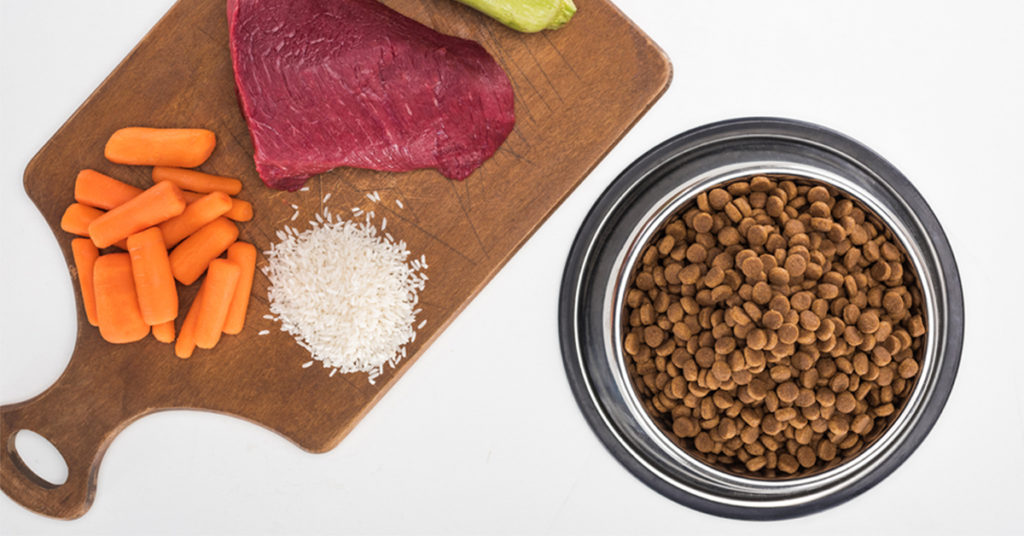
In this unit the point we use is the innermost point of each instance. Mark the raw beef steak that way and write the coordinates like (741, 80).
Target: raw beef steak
(328, 83)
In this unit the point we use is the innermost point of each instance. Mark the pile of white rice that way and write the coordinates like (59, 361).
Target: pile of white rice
(347, 294)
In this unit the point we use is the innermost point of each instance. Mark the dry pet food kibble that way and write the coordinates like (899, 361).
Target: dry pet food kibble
(774, 327)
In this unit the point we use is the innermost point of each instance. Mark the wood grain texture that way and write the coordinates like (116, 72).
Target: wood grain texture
(578, 90)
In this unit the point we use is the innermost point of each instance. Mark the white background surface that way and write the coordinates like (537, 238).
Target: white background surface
(482, 436)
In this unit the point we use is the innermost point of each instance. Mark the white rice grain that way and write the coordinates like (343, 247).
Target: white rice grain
(345, 293)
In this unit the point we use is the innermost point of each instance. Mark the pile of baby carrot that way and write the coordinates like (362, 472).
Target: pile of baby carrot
(173, 231)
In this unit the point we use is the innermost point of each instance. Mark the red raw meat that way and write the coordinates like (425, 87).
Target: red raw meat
(329, 83)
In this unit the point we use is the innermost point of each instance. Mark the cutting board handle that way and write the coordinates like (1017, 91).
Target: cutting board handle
(80, 432)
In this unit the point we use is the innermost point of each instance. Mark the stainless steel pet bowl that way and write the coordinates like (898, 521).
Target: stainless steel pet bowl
(638, 203)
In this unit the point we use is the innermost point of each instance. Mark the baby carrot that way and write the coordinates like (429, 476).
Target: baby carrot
(242, 254)
(155, 205)
(117, 304)
(197, 181)
(158, 297)
(77, 217)
(221, 280)
(190, 259)
(197, 214)
(176, 147)
(85, 255)
(240, 210)
(186, 343)
(98, 190)
(164, 332)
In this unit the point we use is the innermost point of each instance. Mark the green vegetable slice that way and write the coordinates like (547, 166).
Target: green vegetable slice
(526, 16)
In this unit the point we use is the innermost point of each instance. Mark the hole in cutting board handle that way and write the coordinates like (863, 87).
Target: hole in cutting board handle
(39, 457)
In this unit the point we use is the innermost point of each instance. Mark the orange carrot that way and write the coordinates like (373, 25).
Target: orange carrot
(242, 254)
(221, 280)
(176, 147)
(240, 210)
(197, 181)
(155, 205)
(85, 255)
(186, 343)
(164, 332)
(204, 210)
(190, 259)
(158, 297)
(77, 218)
(117, 304)
(98, 190)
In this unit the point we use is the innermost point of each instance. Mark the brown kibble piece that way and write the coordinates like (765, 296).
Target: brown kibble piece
(826, 450)
(885, 410)
(785, 414)
(717, 198)
(795, 265)
(653, 336)
(809, 320)
(845, 402)
(908, 368)
(805, 455)
(696, 253)
(839, 424)
(703, 442)
(788, 464)
(772, 320)
(702, 222)
(818, 194)
(756, 236)
(787, 392)
(770, 425)
(757, 389)
(778, 276)
(788, 333)
(689, 274)
(721, 371)
(685, 427)
(752, 267)
(916, 326)
(761, 293)
(756, 339)
(801, 301)
(867, 322)
(756, 463)
(632, 344)
(893, 303)
(861, 424)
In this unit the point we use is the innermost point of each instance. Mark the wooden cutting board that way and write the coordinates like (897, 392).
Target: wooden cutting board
(578, 90)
